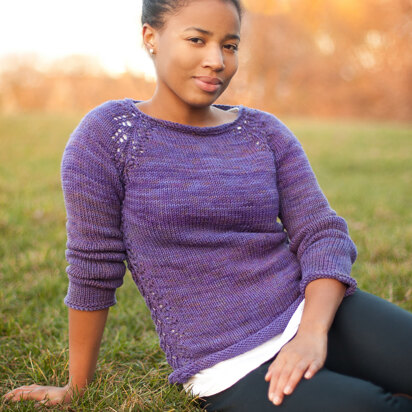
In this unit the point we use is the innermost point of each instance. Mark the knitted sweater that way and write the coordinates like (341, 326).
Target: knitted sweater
(221, 227)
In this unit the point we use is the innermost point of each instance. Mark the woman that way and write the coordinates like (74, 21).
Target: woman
(252, 313)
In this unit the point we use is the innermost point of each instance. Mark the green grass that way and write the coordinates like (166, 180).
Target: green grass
(364, 169)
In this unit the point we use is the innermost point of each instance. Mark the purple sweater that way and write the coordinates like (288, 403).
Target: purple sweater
(221, 227)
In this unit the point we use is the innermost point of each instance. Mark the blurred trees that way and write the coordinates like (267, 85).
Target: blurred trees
(309, 57)
(329, 57)
(75, 83)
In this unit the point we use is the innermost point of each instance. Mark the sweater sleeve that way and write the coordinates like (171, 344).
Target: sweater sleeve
(317, 235)
(92, 195)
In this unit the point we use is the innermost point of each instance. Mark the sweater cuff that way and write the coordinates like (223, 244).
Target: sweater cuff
(89, 298)
(347, 280)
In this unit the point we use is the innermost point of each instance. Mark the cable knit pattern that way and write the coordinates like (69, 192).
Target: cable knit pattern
(221, 227)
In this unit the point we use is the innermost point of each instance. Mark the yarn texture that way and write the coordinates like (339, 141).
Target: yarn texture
(221, 227)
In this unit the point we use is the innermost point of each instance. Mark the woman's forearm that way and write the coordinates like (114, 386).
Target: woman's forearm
(85, 334)
(322, 299)
(306, 353)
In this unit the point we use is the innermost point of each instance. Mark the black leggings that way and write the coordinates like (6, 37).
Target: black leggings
(369, 361)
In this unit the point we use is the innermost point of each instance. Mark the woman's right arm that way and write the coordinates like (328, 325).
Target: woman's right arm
(85, 334)
(93, 193)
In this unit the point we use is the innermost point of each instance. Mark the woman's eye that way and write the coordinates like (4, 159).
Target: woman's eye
(198, 40)
(233, 47)
(195, 40)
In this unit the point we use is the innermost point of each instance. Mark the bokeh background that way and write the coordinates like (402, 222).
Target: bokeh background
(322, 58)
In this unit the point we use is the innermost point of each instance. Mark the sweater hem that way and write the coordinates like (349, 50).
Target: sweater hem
(89, 308)
(88, 298)
(181, 375)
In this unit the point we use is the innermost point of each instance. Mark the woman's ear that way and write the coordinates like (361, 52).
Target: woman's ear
(148, 36)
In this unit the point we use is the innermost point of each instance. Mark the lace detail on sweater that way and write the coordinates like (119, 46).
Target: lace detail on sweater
(130, 136)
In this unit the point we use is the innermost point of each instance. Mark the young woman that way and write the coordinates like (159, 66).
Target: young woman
(253, 312)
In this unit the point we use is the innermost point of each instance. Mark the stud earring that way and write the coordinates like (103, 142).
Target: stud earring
(151, 51)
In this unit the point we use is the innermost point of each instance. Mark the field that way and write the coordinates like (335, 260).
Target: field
(365, 170)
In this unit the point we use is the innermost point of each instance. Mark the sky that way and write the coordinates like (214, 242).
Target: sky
(107, 30)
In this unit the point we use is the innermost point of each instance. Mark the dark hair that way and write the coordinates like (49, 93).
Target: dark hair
(154, 11)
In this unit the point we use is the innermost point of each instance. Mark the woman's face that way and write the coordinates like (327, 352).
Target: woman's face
(196, 52)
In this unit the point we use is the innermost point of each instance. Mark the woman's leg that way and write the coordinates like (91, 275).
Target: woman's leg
(371, 339)
(327, 391)
(369, 359)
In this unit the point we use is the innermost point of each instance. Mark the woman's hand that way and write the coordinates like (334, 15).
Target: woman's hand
(85, 334)
(46, 395)
(304, 355)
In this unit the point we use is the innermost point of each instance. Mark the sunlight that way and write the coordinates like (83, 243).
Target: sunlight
(107, 32)
(268, 7)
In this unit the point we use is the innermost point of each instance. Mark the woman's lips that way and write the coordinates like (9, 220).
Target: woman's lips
(208, 84)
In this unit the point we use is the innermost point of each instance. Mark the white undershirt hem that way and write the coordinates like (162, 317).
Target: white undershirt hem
(224, 374)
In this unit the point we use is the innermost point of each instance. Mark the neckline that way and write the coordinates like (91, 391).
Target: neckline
(188, 128)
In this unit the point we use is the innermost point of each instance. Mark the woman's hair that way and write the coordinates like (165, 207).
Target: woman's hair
(154, 11)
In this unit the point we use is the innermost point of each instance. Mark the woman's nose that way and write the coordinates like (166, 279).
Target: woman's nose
(214, 58)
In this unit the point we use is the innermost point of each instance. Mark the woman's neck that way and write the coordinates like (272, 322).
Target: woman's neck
(184, 114)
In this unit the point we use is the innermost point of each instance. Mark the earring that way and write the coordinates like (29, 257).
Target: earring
(151, 51)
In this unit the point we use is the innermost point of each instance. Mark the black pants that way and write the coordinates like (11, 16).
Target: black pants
(369, 361)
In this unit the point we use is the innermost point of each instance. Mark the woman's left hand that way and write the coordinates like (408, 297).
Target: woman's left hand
(304, 355)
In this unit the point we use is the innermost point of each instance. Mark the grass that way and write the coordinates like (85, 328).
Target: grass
(364, 169)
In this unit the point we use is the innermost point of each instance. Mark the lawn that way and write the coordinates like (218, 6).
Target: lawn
(365, 170)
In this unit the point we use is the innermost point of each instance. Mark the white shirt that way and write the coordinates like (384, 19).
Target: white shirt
(224, 374)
